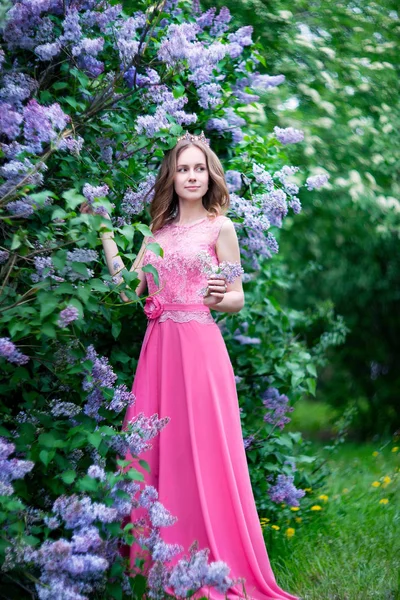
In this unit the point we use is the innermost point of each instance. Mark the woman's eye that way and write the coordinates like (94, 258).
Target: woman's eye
(183, 169)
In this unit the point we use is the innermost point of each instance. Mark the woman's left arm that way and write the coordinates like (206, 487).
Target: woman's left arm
(227, 248)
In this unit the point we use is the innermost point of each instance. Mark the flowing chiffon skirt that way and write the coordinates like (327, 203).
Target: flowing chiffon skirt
(198, 461)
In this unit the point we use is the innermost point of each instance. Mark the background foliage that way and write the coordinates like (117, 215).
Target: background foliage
(342, 89)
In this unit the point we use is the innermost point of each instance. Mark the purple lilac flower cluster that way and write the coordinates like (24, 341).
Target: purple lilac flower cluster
(11, 468)
(316, 181)
(230, 122)
(265, 209)
(166, 106)
(285, 491)
(180, 45)
(67, 316)
(133, 202)
(58, 408)
(78, 255)
(16, 171)
(195, 572)
(100, 376)
(9, 351)
(256, 244)
(70, 568)
(278, 405)
(228, 270)
(4, 254)
(188, 573)
(288, 135)
(136, 438)
(25, 206)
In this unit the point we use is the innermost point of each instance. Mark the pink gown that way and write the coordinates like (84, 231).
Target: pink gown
(198, 462)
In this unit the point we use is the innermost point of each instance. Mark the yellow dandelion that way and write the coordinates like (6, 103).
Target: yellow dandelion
(275, 527)
(298, 519)
(387, 479)
(290, 531)
(383, 501)
(294, 508)
(316, 507)
(345, 490)
(375, 453)
(283, 505)
(376, 483)
(323, 497)
(395, 449)
(308, 489)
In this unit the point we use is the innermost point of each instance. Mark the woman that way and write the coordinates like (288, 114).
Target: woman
(197, 463)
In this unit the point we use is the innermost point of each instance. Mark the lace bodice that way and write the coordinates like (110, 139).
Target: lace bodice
(182, 279)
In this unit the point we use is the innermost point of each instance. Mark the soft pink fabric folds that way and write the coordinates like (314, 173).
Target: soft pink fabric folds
(198, 462)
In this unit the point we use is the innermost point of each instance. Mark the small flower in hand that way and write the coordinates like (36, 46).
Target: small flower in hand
(228, 271)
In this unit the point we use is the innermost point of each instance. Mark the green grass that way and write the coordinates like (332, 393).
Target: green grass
(350, 550)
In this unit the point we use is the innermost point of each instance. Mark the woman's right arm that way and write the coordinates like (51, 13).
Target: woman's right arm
(115, 263)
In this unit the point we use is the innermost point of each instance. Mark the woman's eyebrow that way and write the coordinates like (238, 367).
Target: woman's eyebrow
(196, 165)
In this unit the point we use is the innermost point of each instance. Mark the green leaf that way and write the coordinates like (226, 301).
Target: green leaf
(60, 85)
(150, 269)
(303, 458)
(95, 439)
(48, 302)
(73, 198)
(144, 229)
(84, 292)
(156, 248)
(135, 475)
(98, 285)
(311, 385)
(46, 457)
(16, 242)
(87, 484)
(128, 232)
(312, 369)
(116, 329)
(49, 330)
(68, 476)
(58, 213)
(75, 302)
(80, 268)
(49, 440)
(144, 464)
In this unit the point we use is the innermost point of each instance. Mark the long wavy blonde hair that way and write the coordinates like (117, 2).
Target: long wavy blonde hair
(165, 202)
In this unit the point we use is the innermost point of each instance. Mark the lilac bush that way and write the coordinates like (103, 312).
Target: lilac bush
(91, 96)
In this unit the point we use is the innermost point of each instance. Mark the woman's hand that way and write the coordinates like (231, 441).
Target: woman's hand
(216, 290)
(88, 209)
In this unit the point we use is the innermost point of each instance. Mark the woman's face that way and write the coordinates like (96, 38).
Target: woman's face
(191, 174)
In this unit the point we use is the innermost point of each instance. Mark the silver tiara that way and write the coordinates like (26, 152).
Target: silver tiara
(194, 138)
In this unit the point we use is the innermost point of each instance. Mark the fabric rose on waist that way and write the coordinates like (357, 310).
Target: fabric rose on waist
(152, 307)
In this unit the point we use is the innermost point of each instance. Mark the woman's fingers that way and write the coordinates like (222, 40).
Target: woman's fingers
(217, 285)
